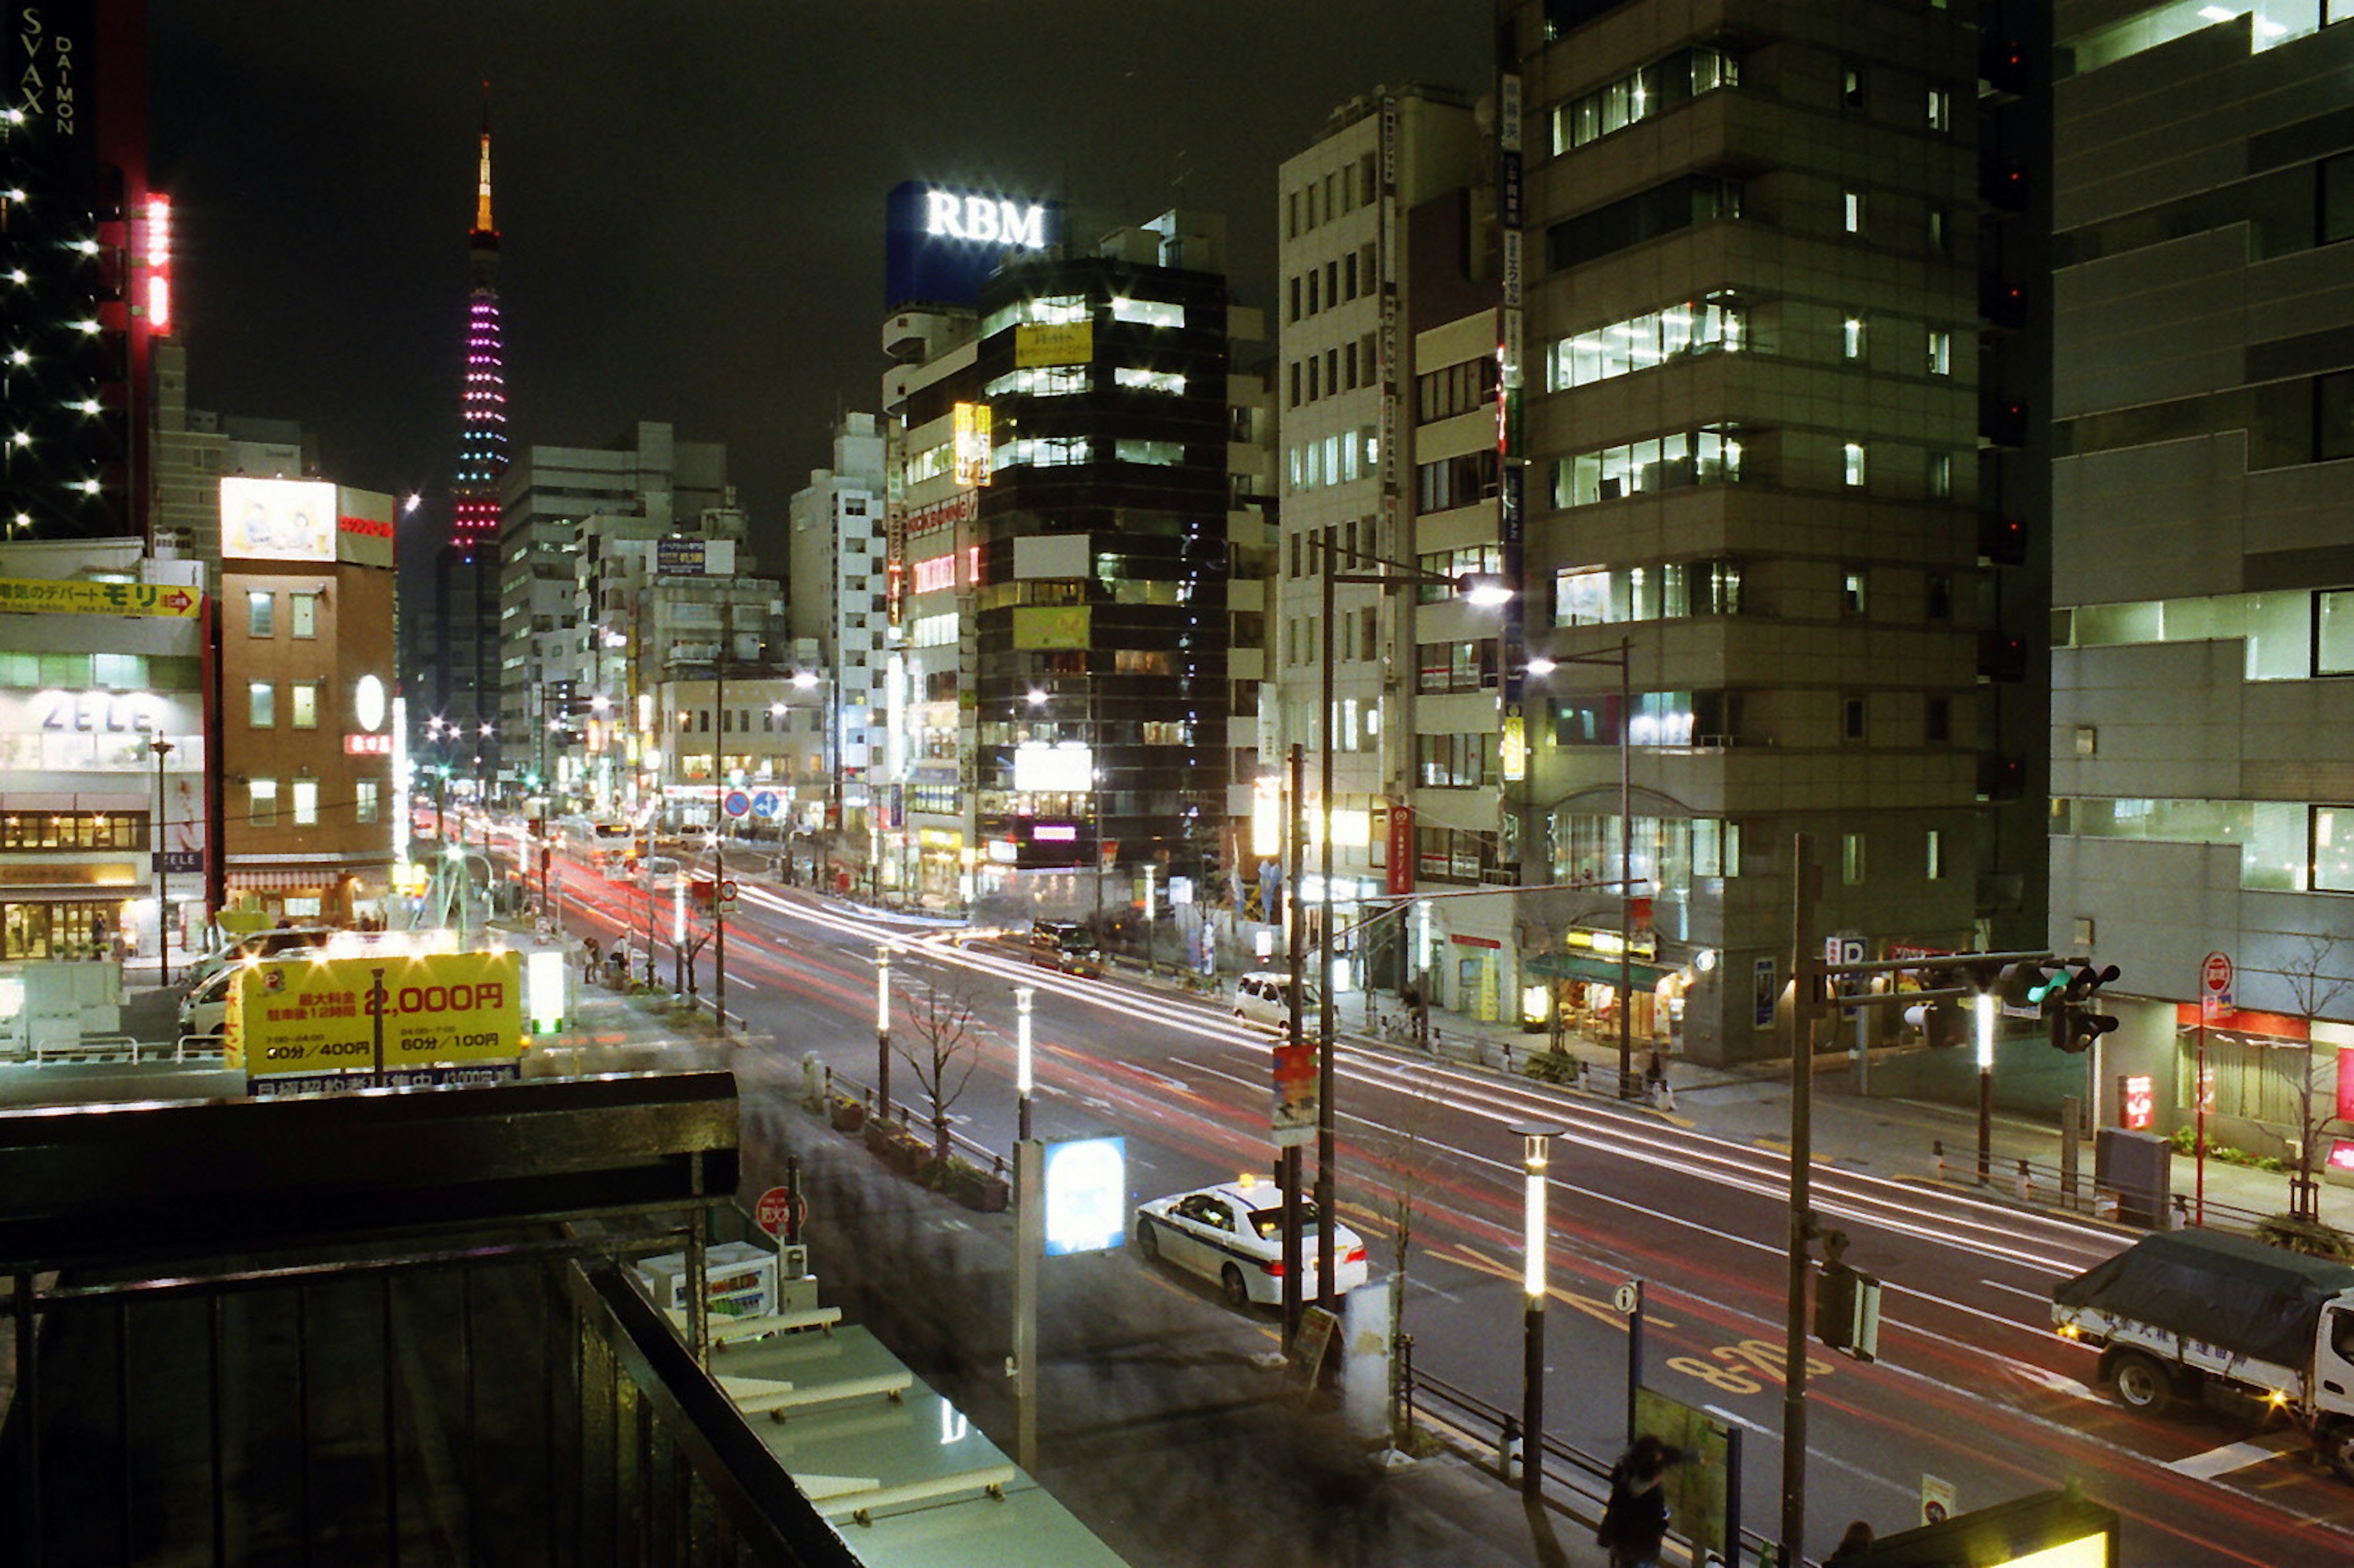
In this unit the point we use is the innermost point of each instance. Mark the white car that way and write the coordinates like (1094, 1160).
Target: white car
(203, 1011)
(1233, 1234)
(1264, 996)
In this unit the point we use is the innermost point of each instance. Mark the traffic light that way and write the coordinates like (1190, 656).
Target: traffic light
(2077, 1021)
(2025, 986)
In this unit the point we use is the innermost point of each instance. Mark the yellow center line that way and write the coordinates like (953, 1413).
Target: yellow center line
(1592, 1307)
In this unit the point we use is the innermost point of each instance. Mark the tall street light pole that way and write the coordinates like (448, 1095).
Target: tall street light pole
(1624, 659)
(162, 749)
(1387, 575)
(883, 1030)
(719, 817)
(1535, 1141)
(1021, 997)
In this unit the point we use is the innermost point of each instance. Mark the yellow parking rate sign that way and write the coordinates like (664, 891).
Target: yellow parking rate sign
(307, 1015)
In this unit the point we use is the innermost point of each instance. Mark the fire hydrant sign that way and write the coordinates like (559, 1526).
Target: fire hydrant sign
(305, 1015)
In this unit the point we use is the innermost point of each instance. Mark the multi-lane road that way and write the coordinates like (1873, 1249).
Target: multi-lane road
(1971, 1385)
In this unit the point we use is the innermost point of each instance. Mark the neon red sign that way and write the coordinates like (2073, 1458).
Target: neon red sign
(2138, 1102)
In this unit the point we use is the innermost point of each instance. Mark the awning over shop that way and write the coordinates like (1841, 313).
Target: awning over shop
(1588, 967)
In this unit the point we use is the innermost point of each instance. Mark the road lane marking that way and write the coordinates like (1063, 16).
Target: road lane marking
(2040, 1298)
(1472, 1258)
(2232, 1456)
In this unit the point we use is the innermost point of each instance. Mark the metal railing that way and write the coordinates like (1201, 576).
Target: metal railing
(905, 1116)
(123, 1048)
(2048, 1186)
(1583, 1478)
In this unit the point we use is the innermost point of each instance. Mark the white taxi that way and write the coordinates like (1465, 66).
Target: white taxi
(1232, 1234)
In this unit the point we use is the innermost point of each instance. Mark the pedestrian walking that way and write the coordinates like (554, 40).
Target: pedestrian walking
(1634, 1520)
(1854, 1545)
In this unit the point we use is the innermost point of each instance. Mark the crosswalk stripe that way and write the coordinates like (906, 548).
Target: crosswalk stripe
(2230, 1456)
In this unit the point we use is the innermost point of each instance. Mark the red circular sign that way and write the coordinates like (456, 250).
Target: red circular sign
(770, 1211)
(2215, 974)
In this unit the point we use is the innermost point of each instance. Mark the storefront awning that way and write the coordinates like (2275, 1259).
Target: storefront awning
(1587, 967)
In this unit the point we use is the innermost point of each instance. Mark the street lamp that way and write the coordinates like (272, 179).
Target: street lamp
(1474, 588)
(1022, 996)
(882, 1029)
(1535, 1137)
(1623, 659)
(162, 749)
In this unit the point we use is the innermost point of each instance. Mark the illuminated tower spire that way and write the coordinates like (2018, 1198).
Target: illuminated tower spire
(483, 432)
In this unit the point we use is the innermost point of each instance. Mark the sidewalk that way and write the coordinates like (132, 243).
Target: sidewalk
(1885, 1134)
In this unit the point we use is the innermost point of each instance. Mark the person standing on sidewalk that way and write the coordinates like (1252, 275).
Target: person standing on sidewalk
(1634, 1520)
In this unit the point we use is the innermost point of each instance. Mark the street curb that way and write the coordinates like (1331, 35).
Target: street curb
(2002, 1200)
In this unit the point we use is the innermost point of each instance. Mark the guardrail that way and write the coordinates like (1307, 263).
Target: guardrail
(1585, 1477)
(905, 1115)
(2075, 1191)
(123, 1048)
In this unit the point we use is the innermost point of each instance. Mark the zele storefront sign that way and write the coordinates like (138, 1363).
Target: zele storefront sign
(306, 1015)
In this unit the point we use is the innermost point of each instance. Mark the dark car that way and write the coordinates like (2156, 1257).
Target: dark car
(1064, 945)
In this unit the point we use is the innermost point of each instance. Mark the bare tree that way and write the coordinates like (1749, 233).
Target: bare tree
(1395, 1163)
(2315, 991)
(943, 1046)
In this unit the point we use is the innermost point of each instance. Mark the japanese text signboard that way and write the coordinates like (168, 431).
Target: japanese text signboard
(306, 1015)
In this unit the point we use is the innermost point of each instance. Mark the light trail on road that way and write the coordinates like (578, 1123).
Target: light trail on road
(1950, 1381)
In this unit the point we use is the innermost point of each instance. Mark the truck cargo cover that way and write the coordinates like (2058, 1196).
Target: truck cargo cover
(2243, 1296)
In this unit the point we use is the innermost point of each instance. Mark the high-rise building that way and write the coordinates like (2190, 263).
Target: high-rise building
(1349, 300)
(577, 535)
(2202, 727)
(1737, 466)
(85, 270)
(464, 627)
(1060, 499)
(193, 447)
(839, 578)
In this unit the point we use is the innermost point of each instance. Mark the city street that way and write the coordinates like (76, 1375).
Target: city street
(1972, 1387)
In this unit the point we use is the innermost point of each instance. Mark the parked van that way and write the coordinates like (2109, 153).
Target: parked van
(1264, 996)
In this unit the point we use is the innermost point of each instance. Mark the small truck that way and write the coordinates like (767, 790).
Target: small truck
(2199, 1318)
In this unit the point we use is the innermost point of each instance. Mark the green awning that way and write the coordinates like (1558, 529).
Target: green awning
(1643, 972)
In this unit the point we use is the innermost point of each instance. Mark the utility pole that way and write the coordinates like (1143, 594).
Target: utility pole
(720, 816)
(1806, 980)
(1295, 926)
(1326, 1152)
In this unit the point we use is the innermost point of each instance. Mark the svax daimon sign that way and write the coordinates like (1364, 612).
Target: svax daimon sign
(940, 242)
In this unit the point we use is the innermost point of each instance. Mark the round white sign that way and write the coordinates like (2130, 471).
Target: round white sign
(367, 704)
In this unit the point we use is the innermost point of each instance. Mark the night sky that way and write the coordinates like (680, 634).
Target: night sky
(689, 195)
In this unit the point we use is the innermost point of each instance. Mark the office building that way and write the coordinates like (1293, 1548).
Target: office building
(103, 739)
(85, 268)
(638, 488)
(2203, 578)
(1349, 300)
(1061, 489)
(193, 447)
(310, 742)
(840, 602)
(1741, 302)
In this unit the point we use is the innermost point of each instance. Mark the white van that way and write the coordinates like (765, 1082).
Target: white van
(1264, 996)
